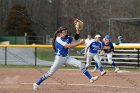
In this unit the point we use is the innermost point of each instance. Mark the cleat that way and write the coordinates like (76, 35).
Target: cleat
(116, 69)
(35, 86)
(94, 79)
(103, 73)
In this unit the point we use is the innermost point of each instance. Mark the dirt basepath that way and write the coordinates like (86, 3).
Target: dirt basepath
(19, 80)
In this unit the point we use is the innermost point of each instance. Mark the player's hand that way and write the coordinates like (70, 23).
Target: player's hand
(82, 41)
(101, 53)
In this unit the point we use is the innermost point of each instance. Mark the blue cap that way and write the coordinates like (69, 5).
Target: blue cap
(107, 37)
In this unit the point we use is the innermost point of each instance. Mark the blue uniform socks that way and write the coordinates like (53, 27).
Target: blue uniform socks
(101, 68)
(96, 65)
(113, 64)
(41, 80)
(86, 73)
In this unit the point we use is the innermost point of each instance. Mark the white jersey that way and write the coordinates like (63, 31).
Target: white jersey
(60, 43)
(89, 41)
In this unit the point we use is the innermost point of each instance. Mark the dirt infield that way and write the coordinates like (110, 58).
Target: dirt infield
(19, 80)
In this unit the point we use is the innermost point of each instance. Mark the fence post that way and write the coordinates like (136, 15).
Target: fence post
(138, 57)
(5, 55)
(35, 56)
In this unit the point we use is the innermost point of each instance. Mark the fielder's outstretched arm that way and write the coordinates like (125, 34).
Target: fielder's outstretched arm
(69, 45)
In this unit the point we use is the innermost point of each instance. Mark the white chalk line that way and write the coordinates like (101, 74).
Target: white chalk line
(69, 84)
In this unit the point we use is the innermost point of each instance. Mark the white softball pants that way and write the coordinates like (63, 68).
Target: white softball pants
(59, 61)
(109, 57)
(89, 58)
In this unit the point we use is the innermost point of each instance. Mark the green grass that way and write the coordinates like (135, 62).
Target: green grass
(49, 54)
(73, 51)
(29, 66)
(45, 54)
(21, 66)
(34, 67)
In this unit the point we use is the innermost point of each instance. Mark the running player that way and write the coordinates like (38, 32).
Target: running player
(92, 52)
(108, 49)
(61, 44)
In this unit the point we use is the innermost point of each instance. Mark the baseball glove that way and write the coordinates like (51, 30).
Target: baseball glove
(79, 24)
(101, 53)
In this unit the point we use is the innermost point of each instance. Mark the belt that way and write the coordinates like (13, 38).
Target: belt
(62, 55)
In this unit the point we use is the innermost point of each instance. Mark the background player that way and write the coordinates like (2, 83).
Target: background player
(92, 52)
(61, 44)
(108, 49)
(87, 40)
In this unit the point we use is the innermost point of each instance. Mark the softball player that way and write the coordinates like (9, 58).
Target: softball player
(88, 40)
(108, 49)
(93, 49)
(62, 42)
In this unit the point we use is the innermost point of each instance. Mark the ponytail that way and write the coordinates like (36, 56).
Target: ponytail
(60, 29)
(54, 38)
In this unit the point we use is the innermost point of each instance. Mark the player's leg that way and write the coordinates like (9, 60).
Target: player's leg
(97, 59)
(95, 67)
(77, 63)
(82, 51)
(89, 59)
(110, 60)
(59, 61)
(96, 64)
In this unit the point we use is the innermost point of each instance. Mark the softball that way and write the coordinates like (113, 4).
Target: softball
(82, 40)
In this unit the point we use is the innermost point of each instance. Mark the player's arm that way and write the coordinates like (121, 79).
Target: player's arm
(102, 46)
(76, 37)
(69, 45)
(86, 50)
(112, 48)
(77, 34)
(87, 47)
(73, 45)
(101, 52)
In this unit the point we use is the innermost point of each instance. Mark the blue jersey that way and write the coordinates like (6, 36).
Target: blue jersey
(107, 47)
(60, 43)
(94, 47)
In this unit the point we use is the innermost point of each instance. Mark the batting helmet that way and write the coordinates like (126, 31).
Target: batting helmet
(107, 37)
